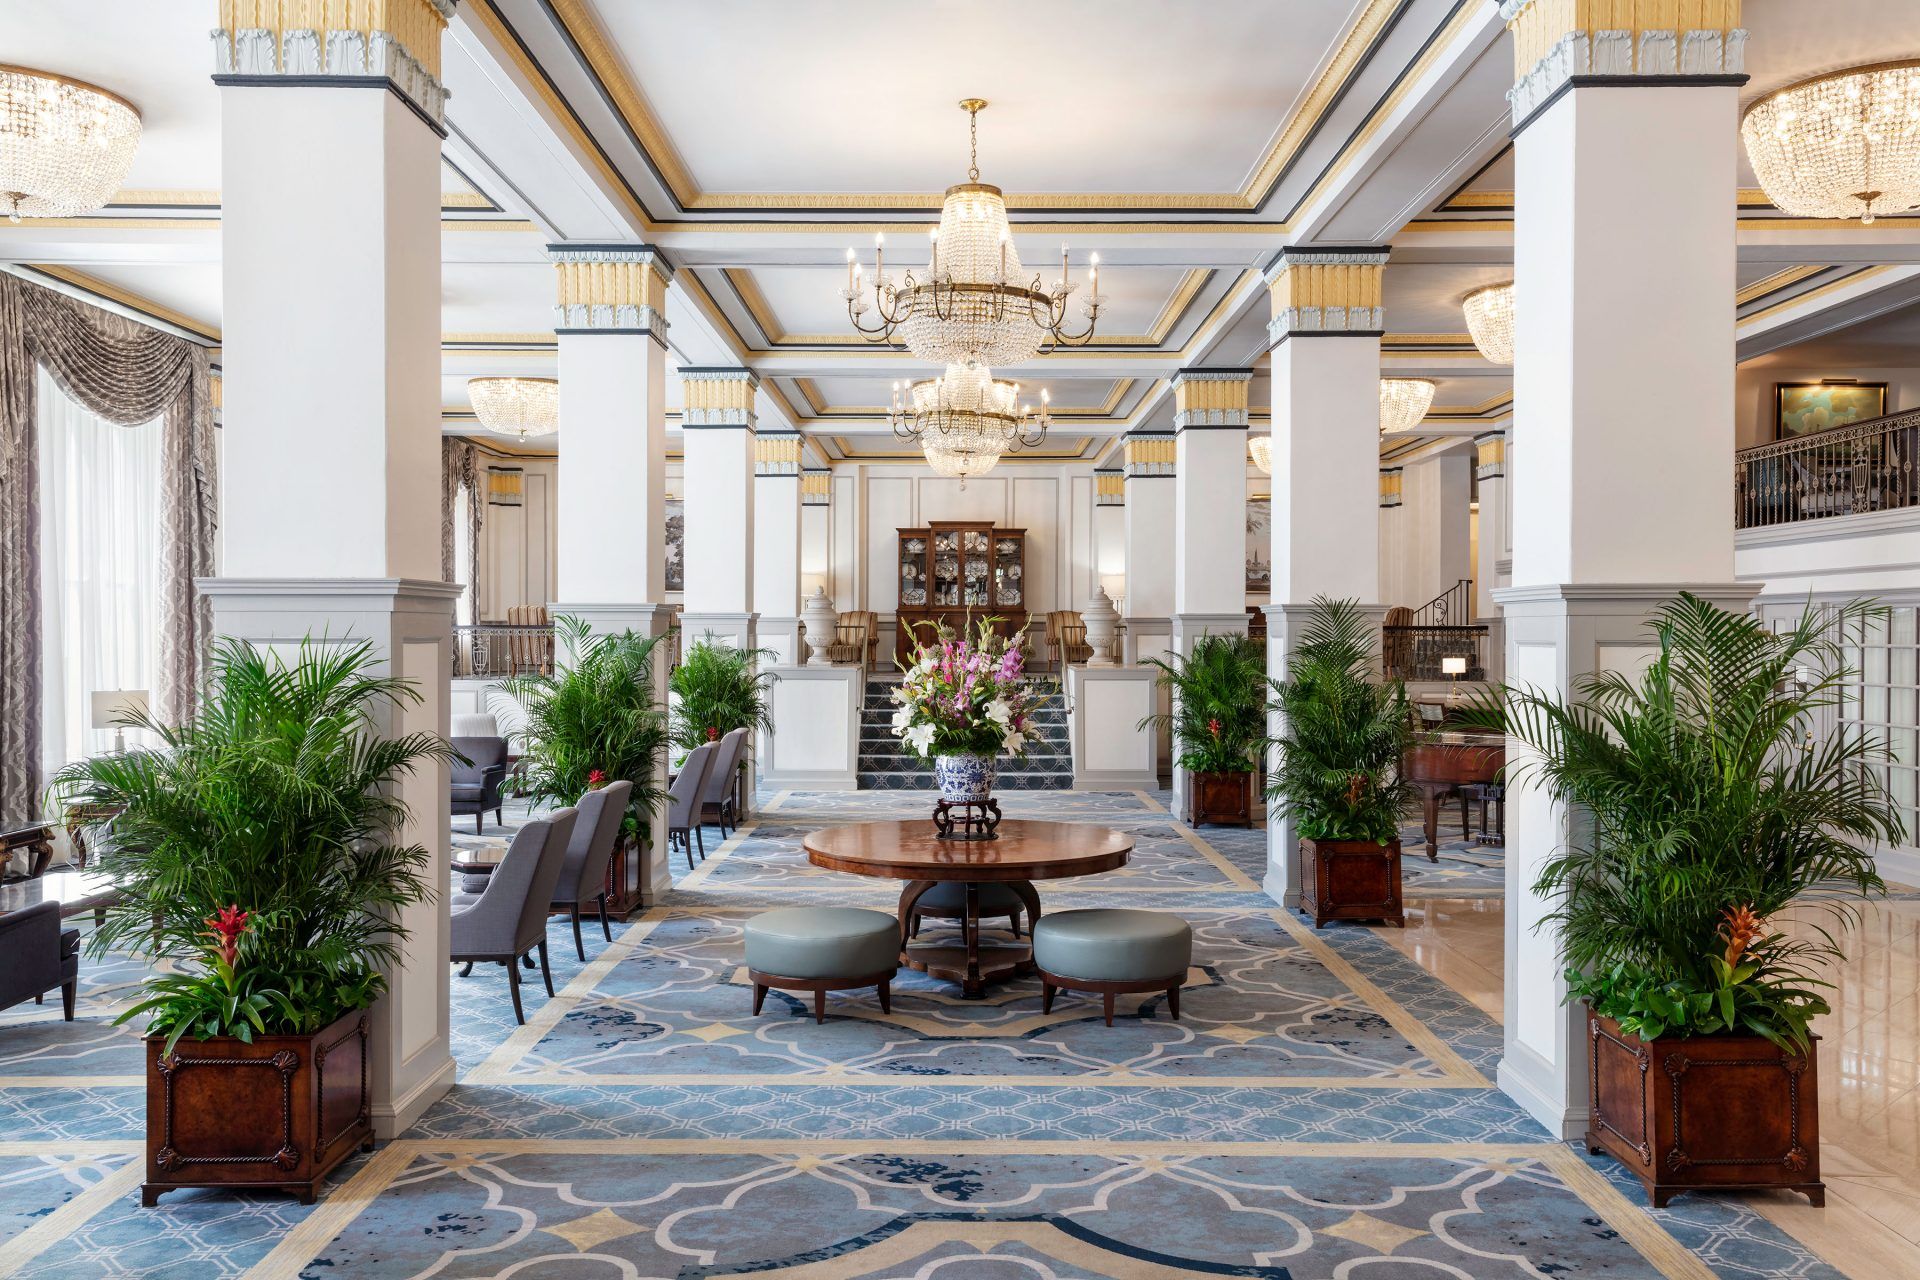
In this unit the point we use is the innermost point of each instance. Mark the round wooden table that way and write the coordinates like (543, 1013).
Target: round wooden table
(1024, 852)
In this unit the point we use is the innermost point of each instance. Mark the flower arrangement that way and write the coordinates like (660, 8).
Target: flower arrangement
(966, 695)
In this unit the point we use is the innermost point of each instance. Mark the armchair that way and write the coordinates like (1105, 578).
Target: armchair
(37, 955)
(477, 782)
(1066, 638)
(856, 638)
(510, 918)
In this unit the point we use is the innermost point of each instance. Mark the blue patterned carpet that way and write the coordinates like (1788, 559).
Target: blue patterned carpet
(1323, 1110)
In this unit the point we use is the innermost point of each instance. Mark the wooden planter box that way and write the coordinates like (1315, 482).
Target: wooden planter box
(624, 872)
(1350, 880)
(1224, 799)
(278, 1114)
(1728, 1112)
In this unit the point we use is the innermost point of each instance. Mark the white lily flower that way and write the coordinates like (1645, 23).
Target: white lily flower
(900, 718)
(998, 711)
(1014, 743)
(920, 738)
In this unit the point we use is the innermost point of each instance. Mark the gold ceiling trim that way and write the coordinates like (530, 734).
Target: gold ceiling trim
(1801, 299)
(545, 338)
(1778, 280)
(741, 278)
(1490, 406)
(1427, 340)
(162, 197)
(127, 298)
(581, 27)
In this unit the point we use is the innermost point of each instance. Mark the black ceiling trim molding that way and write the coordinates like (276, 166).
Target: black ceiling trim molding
(333, 82)
(1624, 82)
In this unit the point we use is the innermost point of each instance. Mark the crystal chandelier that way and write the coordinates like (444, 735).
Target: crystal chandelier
(966, 420)
(1490, 320)
(519, 407)
(1404, 402)
(1843, 145)
(1261, 447)
(65, 146)
(970, 307)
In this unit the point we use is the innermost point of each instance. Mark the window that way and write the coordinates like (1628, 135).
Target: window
(99, 568)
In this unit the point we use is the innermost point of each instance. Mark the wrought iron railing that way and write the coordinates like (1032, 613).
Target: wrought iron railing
(503, 649)
(1452, 607)
(1847, 471)
(1419, 651)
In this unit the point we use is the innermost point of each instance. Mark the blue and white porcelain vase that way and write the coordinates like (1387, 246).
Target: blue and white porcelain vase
(965, 779)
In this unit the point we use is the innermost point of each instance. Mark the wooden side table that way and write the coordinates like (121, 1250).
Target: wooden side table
(32, 840)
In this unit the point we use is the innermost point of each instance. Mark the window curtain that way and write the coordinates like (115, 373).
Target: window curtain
(127, 374)
(460, 522)
(99, 567)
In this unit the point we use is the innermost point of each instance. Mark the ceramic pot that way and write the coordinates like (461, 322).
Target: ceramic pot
(965, 779)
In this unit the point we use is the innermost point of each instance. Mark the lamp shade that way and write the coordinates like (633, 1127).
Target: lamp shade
(114, 707)
(1454, 666)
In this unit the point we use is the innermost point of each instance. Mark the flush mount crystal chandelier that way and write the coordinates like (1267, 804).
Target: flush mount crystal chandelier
(969, 306)
(1261, 449)
(1404, 402)
(518, 407)
(1490, 320)
(64, 145)
(966, 420)
(1843, 145)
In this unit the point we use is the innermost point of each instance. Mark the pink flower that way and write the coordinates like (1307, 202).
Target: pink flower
(226, 928)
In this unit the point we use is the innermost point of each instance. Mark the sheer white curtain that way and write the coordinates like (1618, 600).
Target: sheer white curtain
(99, 567)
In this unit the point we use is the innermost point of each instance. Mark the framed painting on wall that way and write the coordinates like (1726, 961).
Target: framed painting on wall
(1806, 408)
(1259, 544)
(676, 544)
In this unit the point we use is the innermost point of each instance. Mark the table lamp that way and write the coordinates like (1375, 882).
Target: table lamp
(113, 707)
(1453, 667)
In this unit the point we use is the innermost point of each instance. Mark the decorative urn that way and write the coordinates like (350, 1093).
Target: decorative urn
(1103, 622)
(818, 618)
(965, 779)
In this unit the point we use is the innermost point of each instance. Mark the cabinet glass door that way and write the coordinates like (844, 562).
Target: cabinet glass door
(1009, 574)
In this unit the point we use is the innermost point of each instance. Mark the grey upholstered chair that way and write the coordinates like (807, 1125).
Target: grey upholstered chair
(583, 874)
(476, 783)
(37, 955)
(509, 919)
(718, 792)
(683, 802)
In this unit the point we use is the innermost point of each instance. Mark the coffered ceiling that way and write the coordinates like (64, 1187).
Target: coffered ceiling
(754, 141)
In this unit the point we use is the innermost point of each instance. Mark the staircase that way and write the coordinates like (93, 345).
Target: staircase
(887, 765)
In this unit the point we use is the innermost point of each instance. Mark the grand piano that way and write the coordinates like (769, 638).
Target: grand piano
(1440, 762)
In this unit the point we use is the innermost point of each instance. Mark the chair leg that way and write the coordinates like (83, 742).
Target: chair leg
(479, 823)
(1046, 996)
(41, 998)
(579, 948)
(819, 1006)
(1173, 1001)
(68, 990)
(1106, 1005)
(466, 970)
(1013, 922)
(546, 973)
(914, 921)
(605, 928)
(886, 995)
(500, 816)
(700, 834)
(527, 960)
(513, 985)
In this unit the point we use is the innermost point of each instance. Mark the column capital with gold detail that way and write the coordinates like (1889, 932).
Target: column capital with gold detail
(395, 43)
(610, 288)
(776, 454)
(1148, 453)
(1211, 399)
(1327, 292)
(718, 397)
(1559, 44)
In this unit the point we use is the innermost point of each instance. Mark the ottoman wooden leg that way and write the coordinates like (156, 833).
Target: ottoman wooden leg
(820, 1004)
(1106, 1005)
(886, 995)
(759, 998)
(1173, 1001)
(1046, 997)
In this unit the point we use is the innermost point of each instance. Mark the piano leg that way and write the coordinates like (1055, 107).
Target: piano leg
(1430, 812)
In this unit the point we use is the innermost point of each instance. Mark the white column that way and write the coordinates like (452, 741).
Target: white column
(331, 468)
(1326, 326)
(1148, 534)
(1622, 303)
(610, 320)
(717, 440)
(1492, 565)
(1209, 511)
(776, 544)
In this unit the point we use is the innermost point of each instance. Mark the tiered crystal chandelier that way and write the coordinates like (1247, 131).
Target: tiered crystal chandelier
(1843, 145)
(65, 146)
(970, 306)
(1490, 320)
(966, 420)
(518, 407)
(1404, 402)
(1261, 449)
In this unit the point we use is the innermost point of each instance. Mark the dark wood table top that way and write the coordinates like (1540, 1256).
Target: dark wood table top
(75, 891)
(1024, 850)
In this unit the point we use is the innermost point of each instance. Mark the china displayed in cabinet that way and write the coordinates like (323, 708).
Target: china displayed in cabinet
(955, 572)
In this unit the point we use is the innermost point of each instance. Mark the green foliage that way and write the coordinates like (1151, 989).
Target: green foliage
(1338, 772)
(1219, 717)
(595, 713)
(277, 798)
(1701, 792)
(720, 689)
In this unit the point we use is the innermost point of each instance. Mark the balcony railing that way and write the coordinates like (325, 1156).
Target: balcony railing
(1418, 651)
(501, 649)
(1844, 472)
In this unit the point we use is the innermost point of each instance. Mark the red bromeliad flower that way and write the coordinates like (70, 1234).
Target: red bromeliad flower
(1213, 727)
(713, 734)
(596, 779)
(226, 928)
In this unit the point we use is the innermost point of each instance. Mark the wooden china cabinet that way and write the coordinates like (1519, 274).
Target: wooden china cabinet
(956, 573)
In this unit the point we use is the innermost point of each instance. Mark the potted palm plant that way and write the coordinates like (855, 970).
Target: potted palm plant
(1219, 724)
(1338, 769)
(595, 720)
(718, 688)
(1708, 809)
(253, 849)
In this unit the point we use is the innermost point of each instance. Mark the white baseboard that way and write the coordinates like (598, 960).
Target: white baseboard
(395, 1117)
(1530, 1080)
(1275, 886)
